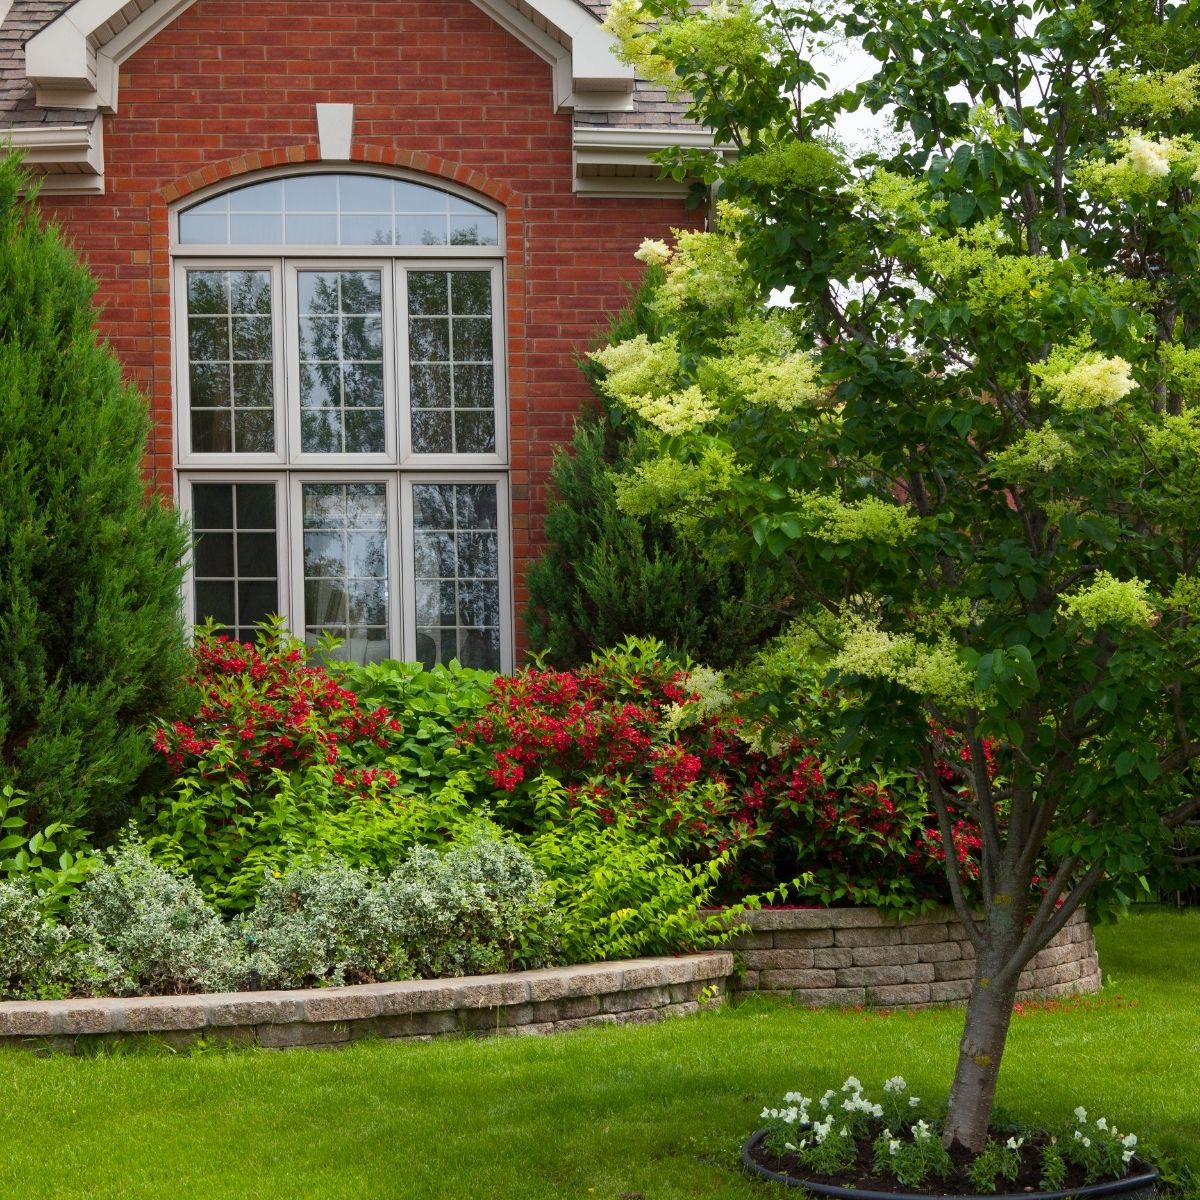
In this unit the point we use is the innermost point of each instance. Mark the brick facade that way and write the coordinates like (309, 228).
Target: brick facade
(438, 87)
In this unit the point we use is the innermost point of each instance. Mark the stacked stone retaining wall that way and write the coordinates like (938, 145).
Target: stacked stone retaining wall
(848, 956)
(524, 1002)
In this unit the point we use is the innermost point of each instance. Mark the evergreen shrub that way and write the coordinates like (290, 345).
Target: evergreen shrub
(90, 565)
(606, 575)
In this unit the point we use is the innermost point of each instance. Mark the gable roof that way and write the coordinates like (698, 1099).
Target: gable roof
(59, 63)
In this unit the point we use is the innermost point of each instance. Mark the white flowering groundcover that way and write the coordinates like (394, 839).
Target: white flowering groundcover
(846, 1144)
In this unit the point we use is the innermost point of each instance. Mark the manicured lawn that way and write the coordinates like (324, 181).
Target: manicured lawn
(648, 1113)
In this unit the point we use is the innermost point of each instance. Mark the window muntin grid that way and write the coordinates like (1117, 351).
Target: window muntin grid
(346, 558)
(230, 338)
(340, 345)
(451, 362)
(347, 209)
(456, 573)
(235, 561)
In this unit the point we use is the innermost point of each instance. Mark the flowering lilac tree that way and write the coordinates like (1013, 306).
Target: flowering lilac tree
(972, 449)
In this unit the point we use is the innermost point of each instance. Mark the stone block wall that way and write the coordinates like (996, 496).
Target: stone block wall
(523, 1002)
(847, 956)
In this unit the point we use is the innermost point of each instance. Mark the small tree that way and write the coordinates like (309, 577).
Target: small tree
(974, 447)
(89, 566)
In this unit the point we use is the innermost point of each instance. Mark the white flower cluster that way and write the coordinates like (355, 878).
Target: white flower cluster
(1083, 1134)
(856, 1102)
(653, 252)
(1150, 158)
(792, 1115)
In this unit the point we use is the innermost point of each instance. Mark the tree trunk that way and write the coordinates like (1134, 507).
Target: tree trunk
(989, 1012)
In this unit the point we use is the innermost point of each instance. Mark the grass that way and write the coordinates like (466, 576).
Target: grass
(639, 1113)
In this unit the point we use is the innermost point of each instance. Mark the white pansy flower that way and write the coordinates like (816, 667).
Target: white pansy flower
(913, 1101)
(653, 252)
(1081, 1113)
(893, 1145)
(1102, 1123)
(1015, 1143)
(895, 1084)
(1126, 1156)
(1150, 158)
(852, 1085)
(1129, 1141)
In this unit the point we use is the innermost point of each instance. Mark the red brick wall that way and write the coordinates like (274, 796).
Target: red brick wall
(230, 87)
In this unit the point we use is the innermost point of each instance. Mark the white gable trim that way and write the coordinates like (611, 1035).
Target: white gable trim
(75, 62)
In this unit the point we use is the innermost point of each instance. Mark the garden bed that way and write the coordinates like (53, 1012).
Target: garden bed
(857, 956)
(527, 1002)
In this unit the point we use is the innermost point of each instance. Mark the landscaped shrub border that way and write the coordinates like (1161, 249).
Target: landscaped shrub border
(521, 1002)
(856, 956)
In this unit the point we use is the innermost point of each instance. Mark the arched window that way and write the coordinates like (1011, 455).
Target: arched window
(341, 431)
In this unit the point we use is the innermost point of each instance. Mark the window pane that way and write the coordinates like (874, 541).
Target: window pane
(231, 362)
(346, 566)
(450, 362)
(456, 573)
(341, 362)
(235, 575)
(346, 209)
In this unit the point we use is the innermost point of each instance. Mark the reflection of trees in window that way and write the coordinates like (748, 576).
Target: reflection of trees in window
(231, 361)
(341, 361)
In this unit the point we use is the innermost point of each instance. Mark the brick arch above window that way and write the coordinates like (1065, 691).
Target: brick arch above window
(310, 152)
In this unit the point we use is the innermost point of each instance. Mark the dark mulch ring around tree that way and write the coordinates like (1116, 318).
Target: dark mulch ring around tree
(863, 1182)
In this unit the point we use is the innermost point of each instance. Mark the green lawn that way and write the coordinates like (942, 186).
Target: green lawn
(647, 1113)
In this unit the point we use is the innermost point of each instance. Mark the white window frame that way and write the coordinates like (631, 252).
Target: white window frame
(408, 580)
(398, 466)
(185, 456)
(499, 360)
(185, 481)
(395, 534)
(393, 407)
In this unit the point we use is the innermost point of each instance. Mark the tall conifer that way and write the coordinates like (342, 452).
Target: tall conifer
(90, 566)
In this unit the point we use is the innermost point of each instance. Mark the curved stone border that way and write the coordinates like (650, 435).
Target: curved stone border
(855, 956)
(545, 1001)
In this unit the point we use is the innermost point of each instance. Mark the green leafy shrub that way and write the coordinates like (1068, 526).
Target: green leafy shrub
(322, 923)
(477, 907)
(623, 894)
(90, 566)
(432, 705)
(34, 958)
(227, 837)
(146, 930)
(53, 860)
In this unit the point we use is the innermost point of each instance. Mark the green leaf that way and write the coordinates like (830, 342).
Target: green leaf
(962, 207)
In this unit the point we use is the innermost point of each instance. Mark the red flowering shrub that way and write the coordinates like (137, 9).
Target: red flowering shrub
(619, 736)
(265, 708)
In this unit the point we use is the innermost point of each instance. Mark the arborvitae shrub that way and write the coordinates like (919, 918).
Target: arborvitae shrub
(89, 564)
(606, 575)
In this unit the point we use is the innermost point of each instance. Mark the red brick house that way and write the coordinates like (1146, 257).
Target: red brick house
(351, 252)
